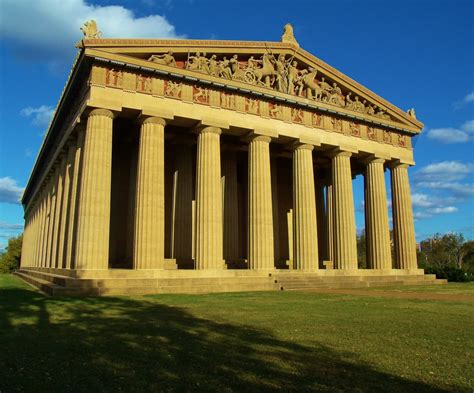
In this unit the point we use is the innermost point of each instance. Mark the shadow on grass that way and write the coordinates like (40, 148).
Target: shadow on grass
(137, 345)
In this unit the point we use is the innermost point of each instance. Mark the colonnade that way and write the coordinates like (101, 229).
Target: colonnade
(67, 224)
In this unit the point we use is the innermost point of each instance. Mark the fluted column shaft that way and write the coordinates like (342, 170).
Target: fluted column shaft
(25, 246)
(62, 245)
(260, 243)
(321, 220)
(209, 229)
(403, 225)
(376, 212)
(92, 251)
(73, 208)
(345, 247)
(58, 212)
(329, 224)
(38, 247)
(230, 208)
(183, 216)
(45, 242)
(149, 233)
(305, 232)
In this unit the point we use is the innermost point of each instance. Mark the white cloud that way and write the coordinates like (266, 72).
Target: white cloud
(444, 171)
(462, 134)
(40, 116)
(445, 209)
(461, 189)
(468, 126)
(466, 100)
(10, 227)
(421, 215)
(421, 200)
(9, 191)
(49, 29)
(469, 97)
(438, 188)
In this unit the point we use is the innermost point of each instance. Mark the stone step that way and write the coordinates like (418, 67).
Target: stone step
(54, 284)
(123, 282)
(43, 285)
(309, 280)
(52, 278)
(157, 289)
(361, 284)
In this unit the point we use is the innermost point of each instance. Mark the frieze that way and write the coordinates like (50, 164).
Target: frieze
(200, 95)
(297, 115)
(336, 124)
(221, 99)
(372, 133)
(355, 128)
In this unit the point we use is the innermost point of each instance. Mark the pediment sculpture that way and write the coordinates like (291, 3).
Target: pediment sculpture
(274, 71)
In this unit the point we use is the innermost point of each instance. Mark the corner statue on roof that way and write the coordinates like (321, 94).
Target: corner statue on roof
(288, 35)
(90, 30)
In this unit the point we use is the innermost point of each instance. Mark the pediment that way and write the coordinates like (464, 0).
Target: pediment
(278, 69)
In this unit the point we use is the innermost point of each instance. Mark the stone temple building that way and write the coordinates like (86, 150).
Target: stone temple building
(203, 165)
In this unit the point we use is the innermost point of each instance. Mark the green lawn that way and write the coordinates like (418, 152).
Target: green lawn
(273, 341)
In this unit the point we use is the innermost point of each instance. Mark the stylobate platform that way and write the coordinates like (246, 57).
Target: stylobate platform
(141, 282)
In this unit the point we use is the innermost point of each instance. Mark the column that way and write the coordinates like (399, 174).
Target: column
(58, 212)
(25, 246)
(260, 235)
(321, 220)
(376, 212)
(403, 225)
(275, 209)
(183, 210)
(149, 232)
(92, 251)
(230, 208)
(47, 223)
(345, 247)
(65, 203)
(41, 201)
(329, 223)
(73, 206)
(209, 233)
(304, 201)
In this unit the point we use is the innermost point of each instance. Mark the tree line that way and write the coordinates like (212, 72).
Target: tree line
(448, 256)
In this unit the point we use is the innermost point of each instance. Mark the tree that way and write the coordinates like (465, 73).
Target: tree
(361, 250)
(449, 256)
(444, 250)
(10, 259)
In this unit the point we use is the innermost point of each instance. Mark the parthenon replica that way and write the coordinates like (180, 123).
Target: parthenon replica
(205, 166)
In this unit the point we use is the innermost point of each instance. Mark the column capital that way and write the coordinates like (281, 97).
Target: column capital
(153, 120)
(398, 164)
(301, 146)
(373, 160)
(256, 137)
(102, 112)
(339, 153)
(208, 129)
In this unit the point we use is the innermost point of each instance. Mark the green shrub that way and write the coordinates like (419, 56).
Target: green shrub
(451, 273)
(10, 259)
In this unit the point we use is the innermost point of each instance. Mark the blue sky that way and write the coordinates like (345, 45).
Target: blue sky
(413, 53)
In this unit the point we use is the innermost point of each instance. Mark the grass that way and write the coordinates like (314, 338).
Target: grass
(246, 342)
